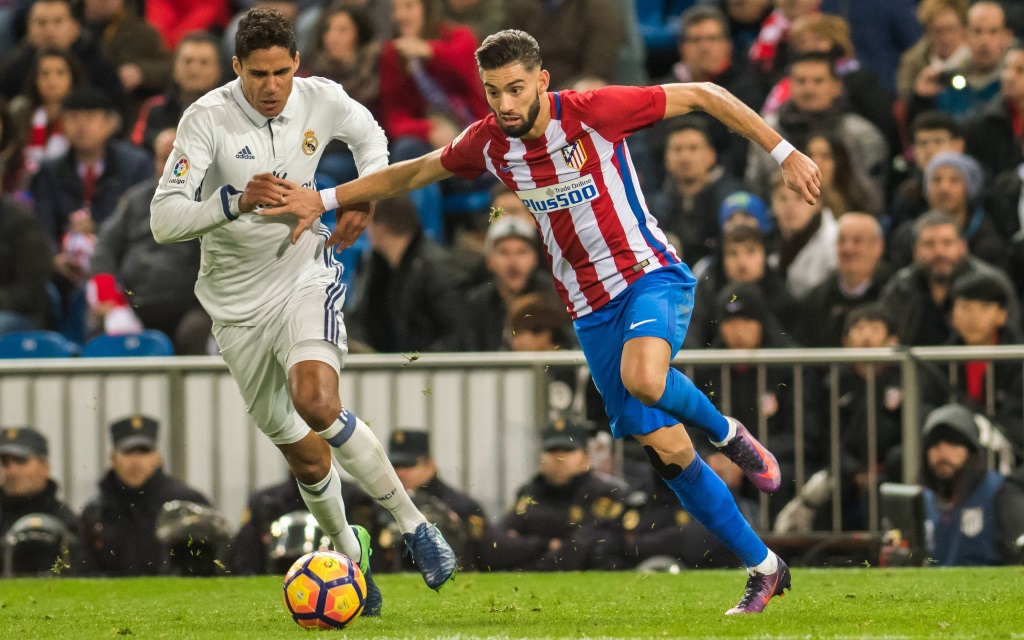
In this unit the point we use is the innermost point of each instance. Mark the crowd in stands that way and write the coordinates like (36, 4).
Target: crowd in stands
(914, 112)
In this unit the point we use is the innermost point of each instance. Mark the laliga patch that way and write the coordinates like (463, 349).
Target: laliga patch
(460, 136)
(179, 171)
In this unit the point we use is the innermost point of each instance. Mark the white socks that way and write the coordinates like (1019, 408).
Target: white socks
(362, 456)
(770, 565)
(729, 436)
(323, 500)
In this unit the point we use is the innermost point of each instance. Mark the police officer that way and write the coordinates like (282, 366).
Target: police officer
(119, 526)
(566, 518)
(249, 549)
(460, 517)
(25, 483)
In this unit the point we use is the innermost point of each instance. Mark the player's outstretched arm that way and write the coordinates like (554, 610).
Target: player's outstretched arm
(307, 205)
(798, 171)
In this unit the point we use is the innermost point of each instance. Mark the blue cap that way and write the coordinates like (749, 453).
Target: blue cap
(747, 203)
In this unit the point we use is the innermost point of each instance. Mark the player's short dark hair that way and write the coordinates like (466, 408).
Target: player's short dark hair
(871, 312)
(742, 233)
(263, 28)
(507, 47)
(936, 120)
(398, 215)
(828, 59)
(702, 13)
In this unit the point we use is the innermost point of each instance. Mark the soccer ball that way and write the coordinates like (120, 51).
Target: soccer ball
(324, 590)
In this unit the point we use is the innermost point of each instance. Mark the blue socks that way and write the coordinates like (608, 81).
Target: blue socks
(686, 403)
(704, 495)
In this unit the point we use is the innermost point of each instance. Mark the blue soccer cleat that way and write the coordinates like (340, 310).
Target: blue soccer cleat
(431, 554)
(374, 600)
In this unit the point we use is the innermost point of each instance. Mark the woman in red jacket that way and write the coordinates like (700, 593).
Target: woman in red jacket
(429, 87)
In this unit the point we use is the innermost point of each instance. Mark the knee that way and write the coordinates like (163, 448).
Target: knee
(317, 407)
(310, 466)
(645, 383)
(669, 459)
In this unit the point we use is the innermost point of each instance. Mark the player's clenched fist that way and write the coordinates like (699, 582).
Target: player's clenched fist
(263, 190)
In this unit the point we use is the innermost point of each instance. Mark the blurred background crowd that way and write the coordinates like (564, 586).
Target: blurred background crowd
(914, 111)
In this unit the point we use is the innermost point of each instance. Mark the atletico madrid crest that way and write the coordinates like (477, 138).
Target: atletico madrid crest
(575, 155)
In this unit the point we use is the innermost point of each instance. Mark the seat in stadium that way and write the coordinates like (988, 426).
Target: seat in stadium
(36, 344)
(148, 343)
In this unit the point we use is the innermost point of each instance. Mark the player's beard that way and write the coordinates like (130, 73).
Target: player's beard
(524, 128)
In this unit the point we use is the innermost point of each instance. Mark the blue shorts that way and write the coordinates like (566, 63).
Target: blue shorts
(658, 304)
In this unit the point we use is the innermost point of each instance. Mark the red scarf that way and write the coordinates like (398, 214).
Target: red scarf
(774, 30)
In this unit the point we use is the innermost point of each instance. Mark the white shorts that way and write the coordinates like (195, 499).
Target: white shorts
(307, 326)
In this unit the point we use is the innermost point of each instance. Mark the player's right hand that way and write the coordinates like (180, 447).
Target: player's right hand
(263, 190)
(803, 176)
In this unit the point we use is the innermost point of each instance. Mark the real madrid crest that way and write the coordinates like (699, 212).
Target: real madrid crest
(309, 142)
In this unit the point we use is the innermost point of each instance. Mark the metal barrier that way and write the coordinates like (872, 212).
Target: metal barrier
(482, 409)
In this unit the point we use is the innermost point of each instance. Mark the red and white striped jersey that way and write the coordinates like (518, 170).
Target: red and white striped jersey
(580, 184)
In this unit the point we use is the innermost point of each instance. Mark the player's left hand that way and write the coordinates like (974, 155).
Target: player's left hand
(352, 221)
(803, 176)
(301, 202)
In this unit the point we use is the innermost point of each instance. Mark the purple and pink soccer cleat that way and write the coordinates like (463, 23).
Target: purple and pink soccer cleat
(757, 462)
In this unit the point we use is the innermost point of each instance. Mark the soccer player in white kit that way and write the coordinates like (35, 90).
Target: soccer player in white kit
(276, 299)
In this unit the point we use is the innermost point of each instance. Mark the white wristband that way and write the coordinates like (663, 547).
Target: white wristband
(330, 198)
(782, 151)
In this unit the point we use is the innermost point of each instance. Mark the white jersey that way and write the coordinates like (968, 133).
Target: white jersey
(249, 265)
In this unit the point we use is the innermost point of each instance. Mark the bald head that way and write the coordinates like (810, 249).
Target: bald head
(859, 248)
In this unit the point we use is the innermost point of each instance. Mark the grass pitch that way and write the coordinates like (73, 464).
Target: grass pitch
(836, 603)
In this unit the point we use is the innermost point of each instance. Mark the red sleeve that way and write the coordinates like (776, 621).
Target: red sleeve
(401, 106)
(615, 111)
(465, 155)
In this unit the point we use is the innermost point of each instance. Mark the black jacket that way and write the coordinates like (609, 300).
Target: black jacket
(695, 220)
(24, 261)
(12, 508)
(415, 307)
(824, 309)
(486, 315)
(584, 516)
(57, 188)
(119, 526)
(988, 137)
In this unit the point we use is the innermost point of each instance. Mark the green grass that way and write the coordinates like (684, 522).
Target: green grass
(850, 603)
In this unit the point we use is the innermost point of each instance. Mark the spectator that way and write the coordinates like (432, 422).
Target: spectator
(119, 526)
(38, 110)
(921, 290)
(579, 38)
(695, 186)
(857, 280)
(744, 322)
(931, 132)
(251, 546)
(176, 18)
(196, 71)
(706, 55)
(954, 182)
(807, 239)
(979, 319)
(52, 25)
(565, 519)
(745, 20)
(24, 258)
(512, 250)
(843, 186)
(537, 325)
(345, 51)
(743, 258)
(484, 17)
(960, 94)
(26, 487)
(960, 494)
(409, 296)
(464, 521)
(770, 52)
(995, 134)
(943, 46)
(429, 86)
(830, 35)
(816, 105)
(96, 170)
(133, 45)
(159, 279)
(882, 31)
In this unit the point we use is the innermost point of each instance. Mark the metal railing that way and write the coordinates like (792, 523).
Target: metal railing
(482, 409)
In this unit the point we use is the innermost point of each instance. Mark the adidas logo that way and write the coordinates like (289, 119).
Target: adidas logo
(245, 154)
